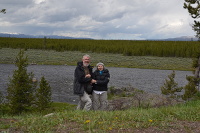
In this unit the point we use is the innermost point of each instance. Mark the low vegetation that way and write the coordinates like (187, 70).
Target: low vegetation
(51, 57)
(178, 118)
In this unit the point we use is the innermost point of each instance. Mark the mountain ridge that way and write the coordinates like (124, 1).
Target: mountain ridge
(38, 36)
(182, 38)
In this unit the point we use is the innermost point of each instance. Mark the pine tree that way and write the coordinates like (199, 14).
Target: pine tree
(191, 91)
(21, 88)
(170, 87)
(193, 8)
(43, 95)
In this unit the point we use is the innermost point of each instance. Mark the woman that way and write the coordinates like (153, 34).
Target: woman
(100, 87)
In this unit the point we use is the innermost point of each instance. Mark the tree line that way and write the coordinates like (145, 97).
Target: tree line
(126, 47)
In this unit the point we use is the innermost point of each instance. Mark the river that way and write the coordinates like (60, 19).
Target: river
(60, 78)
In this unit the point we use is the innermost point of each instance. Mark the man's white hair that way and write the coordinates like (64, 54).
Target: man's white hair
(86, 55)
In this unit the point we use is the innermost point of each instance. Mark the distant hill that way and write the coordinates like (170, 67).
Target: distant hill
(38, 36)
(183, 38)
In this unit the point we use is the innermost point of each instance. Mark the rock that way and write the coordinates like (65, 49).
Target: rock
(49, 115)
(141, 99)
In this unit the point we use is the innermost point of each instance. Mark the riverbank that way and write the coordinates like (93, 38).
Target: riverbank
(50, 57)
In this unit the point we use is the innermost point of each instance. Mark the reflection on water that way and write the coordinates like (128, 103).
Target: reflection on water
(60, 79)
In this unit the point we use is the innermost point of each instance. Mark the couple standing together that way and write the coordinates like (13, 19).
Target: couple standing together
(85, 79)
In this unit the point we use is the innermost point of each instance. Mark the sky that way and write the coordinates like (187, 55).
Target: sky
(97, 19)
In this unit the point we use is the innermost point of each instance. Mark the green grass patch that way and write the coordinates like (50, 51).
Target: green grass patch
(71, 120)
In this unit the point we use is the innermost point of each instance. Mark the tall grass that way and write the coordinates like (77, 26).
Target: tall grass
(71, 120)
(52, 57)
(125, 47)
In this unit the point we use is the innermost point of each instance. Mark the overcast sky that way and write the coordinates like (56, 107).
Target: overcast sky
(97, 19)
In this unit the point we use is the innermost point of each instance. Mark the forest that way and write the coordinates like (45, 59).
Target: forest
(185, 49)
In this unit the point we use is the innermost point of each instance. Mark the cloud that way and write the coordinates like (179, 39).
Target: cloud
(98, 19)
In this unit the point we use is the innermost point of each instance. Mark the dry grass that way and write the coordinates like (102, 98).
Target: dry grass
(112, 60)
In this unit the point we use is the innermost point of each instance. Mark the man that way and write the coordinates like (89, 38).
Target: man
(82, 81)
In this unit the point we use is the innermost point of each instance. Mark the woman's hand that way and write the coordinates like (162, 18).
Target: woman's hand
(87, 76)
(93, 81)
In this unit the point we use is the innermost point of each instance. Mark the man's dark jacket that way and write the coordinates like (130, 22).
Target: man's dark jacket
(80, 80)
(102, 80)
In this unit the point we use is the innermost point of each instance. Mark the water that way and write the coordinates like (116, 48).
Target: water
(61, 77)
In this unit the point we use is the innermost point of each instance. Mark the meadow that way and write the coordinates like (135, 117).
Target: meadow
(52, 57)
(64, 118)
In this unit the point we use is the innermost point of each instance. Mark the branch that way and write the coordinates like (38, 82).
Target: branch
(3, 11)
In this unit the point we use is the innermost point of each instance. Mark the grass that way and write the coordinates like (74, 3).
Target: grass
(51, 57)
(66, 119)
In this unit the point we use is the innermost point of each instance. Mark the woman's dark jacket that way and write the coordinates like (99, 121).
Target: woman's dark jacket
(79, 78)
(102, 80)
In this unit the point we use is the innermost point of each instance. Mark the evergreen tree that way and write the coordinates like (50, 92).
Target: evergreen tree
(193, 7)
(43, 95)
(191, 91)
(21, 88)
(170, 87)
(45, 42)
